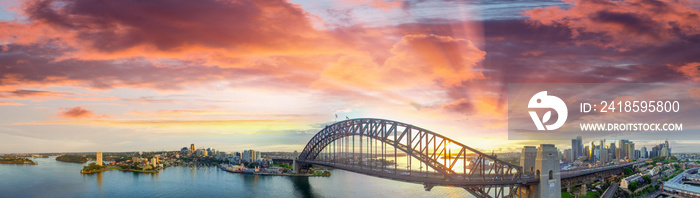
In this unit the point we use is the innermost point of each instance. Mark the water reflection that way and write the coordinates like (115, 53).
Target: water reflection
(302, 187)
(99, 180)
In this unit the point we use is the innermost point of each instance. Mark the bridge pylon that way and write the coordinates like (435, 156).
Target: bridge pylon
(547, 169)
(527, 159)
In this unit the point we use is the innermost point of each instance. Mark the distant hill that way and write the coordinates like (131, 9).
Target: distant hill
(72, 158)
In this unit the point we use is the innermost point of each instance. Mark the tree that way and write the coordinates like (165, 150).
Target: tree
(633, 186)
(628, 171)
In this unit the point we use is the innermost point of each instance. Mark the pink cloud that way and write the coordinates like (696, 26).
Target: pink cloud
(79, 112)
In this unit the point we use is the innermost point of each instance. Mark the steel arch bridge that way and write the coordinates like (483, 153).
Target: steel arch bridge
(367, 146)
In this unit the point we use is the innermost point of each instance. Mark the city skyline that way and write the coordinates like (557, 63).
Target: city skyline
(79, 76)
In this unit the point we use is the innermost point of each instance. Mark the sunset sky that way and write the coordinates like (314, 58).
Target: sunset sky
(131, 75)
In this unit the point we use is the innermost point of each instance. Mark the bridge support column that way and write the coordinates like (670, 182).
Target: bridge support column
(527, 159)
(547, 169)
(295, 166)
(583, 190)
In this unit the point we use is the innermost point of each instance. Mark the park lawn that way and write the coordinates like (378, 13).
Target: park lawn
(589, 194)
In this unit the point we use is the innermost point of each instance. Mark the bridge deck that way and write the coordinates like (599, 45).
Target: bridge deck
(577, 173)
(428, 177)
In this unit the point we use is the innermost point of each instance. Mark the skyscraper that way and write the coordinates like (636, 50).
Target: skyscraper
(250, 155)
(629, 149)
(192, 147)
(576, 148)
(98, 158)
(623, 149)
(644, 152)
(612, 149)
(591, 153)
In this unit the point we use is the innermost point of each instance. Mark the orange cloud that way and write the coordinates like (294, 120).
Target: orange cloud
(461, 105)
(690, 70)
(2, 103)
(623, 24)
(417, 61)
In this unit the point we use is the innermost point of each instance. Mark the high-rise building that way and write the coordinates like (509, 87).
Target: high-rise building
(576, 148)
(250, 155)
(192, 148)
(624, 152)
(664, 152)
(98, 158)
(604, 155)
(591, 152)
(629, 149)
(644, 153)
(596, 155)
(612, 149)
(567, 155)
(154, 161)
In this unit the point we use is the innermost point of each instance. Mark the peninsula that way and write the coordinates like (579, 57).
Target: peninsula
(13, 160)
(72, 158)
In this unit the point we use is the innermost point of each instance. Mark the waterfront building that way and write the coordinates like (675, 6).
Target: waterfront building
(98, 158)
(251, 155)
(154, 161)
(192, 147)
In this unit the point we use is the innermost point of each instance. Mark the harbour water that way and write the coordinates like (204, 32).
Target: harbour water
(52, 178)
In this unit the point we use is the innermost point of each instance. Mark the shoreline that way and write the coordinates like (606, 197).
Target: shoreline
(22, 163)
(272, 174)
(120, 169)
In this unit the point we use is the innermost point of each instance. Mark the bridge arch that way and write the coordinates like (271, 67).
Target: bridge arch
(429, 147)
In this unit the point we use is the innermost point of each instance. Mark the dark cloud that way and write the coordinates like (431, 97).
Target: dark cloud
(177, 25)
(624, 24)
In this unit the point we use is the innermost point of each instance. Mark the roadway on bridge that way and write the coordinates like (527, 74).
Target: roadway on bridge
(611, 191)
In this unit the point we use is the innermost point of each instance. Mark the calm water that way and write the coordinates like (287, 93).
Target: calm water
(60, 179)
